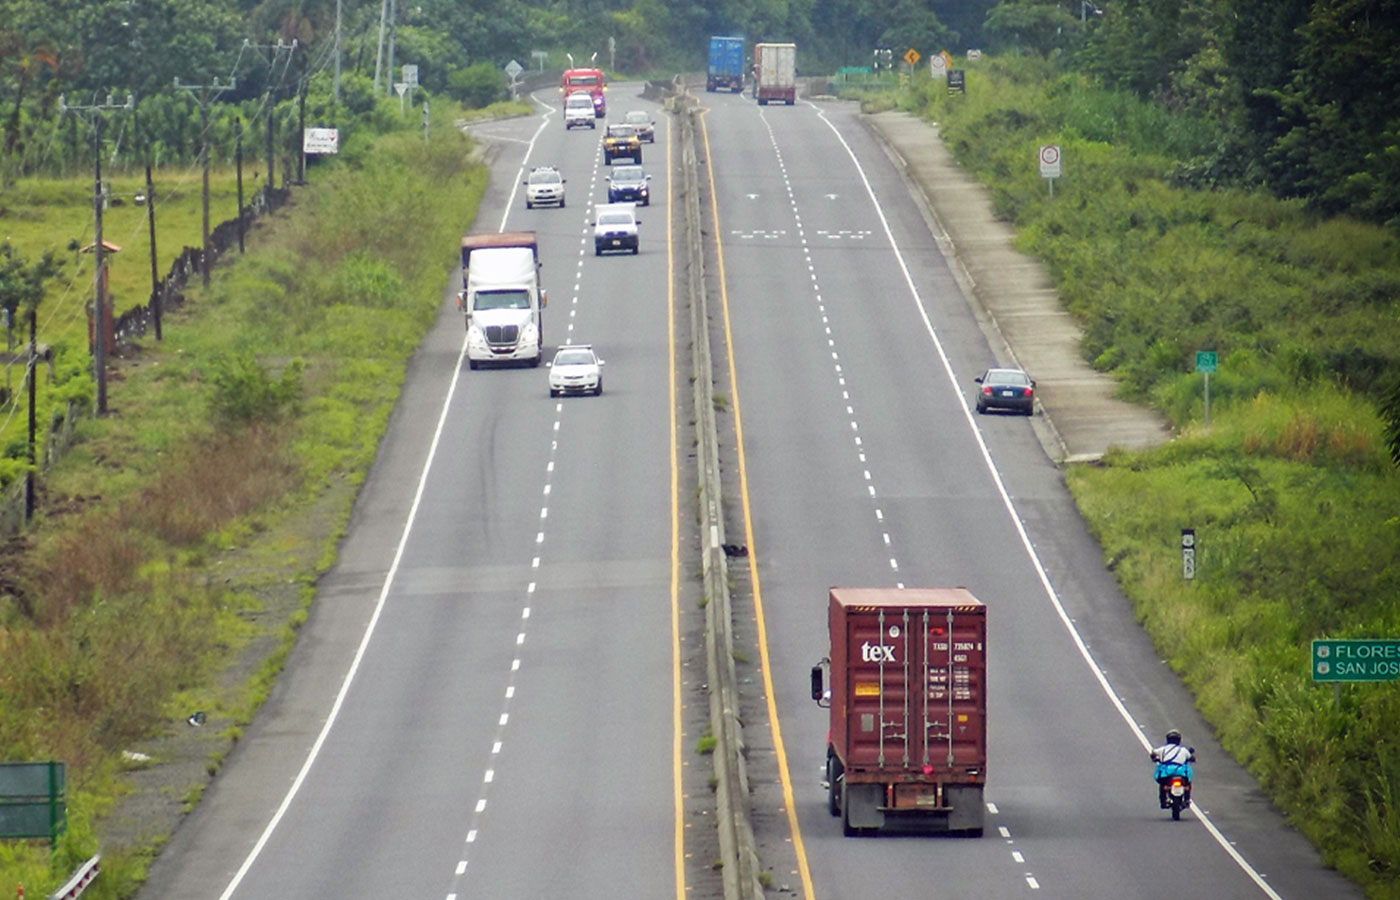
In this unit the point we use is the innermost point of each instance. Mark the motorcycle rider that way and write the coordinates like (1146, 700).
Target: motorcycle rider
(1172, 758)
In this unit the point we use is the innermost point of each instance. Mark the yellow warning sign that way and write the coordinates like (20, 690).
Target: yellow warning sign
(911, 56)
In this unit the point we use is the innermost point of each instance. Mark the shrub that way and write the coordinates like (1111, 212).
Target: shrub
(245, 391)
(478, 85)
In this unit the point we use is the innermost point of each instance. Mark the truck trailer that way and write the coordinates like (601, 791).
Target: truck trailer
(775, 73)
(502, 298)
(726, 68)
(907, 745)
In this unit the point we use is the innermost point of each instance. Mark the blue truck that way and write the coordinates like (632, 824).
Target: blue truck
(726, 68)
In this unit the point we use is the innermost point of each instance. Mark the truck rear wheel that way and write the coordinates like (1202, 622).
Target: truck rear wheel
(834, 772)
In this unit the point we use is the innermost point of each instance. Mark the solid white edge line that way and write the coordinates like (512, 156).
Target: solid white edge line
(344, 691)
(1011, 509)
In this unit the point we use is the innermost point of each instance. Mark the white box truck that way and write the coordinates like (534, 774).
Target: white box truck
(775, 73)
(502, 298)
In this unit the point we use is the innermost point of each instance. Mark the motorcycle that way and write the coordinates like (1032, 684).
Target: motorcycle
(1175, 794)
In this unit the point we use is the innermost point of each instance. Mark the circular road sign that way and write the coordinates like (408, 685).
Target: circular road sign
(1050, 155)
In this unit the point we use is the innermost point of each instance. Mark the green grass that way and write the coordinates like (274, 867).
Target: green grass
(170, 534)
(1291, 492)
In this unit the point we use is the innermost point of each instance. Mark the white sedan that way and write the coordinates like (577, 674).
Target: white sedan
(576, 369)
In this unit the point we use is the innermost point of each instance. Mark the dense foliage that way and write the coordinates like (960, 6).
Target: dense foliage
(1298, 94)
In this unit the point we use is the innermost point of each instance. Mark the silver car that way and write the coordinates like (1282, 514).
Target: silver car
(544, 187)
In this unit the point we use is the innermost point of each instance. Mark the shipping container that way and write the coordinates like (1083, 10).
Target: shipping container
(775, 73)
(907, 748)
(726, 68)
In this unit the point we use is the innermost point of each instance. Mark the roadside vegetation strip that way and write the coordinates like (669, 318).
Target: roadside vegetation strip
(1291, 490)
(224, 477)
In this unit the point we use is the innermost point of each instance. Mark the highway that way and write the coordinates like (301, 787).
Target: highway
(485, 701)
(490, 696)
(853, 356)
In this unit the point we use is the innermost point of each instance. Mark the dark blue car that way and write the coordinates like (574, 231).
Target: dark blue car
(628, 184)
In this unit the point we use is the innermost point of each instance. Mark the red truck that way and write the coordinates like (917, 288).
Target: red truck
(907, 746)
(590, 80)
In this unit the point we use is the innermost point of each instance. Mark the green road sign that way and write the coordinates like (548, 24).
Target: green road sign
(1205, 361)
(1356, 660)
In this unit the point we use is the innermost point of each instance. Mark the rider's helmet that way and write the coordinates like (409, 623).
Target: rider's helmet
(1173, 737)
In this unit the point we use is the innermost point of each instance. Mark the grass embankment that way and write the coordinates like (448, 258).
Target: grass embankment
(47, 215)
(177, 521)
(1290, 490)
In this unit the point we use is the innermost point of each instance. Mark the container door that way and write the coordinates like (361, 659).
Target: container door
(882, 658)
(954, 702)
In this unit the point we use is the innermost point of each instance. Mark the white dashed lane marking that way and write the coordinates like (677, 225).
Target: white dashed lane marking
(489, 774)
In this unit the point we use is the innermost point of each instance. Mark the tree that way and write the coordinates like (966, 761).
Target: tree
(477, 86)
(1039, 27)
(22, 283)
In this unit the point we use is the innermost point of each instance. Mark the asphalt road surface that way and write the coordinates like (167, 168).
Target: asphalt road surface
(854, 355)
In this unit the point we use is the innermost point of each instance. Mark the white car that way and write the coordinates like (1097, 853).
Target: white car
(578, 111)
(615, 228)
(544, 187)
(576, 369)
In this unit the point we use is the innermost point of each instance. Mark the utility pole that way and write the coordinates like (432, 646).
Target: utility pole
(99, 329)
(393, 20)
(269, 104)
(238, 167)
(379, 55)
(204, 100)
(33, 366)
(157, 291)
(336, 94)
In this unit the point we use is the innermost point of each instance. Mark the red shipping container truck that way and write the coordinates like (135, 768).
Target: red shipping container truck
(907, 747)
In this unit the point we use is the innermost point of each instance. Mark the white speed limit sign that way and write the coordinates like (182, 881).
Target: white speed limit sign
(1050, 161)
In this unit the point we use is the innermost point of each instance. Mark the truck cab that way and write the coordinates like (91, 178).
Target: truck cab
(501, 299)
(591, 81)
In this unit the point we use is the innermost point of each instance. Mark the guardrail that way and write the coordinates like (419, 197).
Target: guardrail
(738, 852)
(79, 882)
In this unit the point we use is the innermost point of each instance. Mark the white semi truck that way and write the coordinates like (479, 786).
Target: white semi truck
(502, 298)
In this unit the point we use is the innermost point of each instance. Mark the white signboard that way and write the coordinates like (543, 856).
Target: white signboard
(974, 54)
(320, 140)
(401, 87)
(513, 70)
(938, 65)
(1050, 161)
(410, 75)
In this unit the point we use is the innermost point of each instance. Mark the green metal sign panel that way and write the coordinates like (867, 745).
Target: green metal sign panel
(1205, 361)
(32, 800)
(1356, 660)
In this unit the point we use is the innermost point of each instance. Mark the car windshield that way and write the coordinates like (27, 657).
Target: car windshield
(574, 358)
(580, 101)
(614, 219)
(516, 299)
(577, 80)
(638, 117)
(544, 178)
(1007, 376)
(620, 131)
(628, 175)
